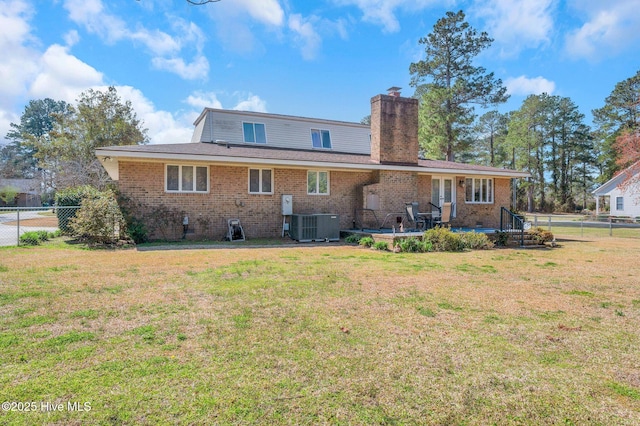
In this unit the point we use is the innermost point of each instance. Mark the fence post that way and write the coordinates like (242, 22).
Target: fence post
(18, 227)
(582, 228)
(535, 220)
(549, 223)
(610, 227)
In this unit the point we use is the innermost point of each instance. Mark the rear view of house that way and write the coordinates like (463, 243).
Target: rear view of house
(241, 165)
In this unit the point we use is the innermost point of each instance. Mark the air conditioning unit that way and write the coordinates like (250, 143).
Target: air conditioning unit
(315, 227)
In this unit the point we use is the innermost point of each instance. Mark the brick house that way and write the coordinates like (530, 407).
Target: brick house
(240, 164)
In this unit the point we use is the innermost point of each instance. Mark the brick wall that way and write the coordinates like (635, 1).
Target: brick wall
(394, 129)
(484, 215)
(260, 215)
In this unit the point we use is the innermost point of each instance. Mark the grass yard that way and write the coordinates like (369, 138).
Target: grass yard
(328, 334)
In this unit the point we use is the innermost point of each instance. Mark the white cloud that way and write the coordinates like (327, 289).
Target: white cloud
(268, 12)
(71, 38)
(19, 63)
(517, 24)
(383, 12)
(524, 86)
(202, 100)
(164, 126)
(62, 76)
(165, 49)
(305, 35)
(252, 103)
(611, 28)
(198, 69)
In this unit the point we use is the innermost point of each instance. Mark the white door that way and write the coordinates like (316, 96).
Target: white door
(442, 190)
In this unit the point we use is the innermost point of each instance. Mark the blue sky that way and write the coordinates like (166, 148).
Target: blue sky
(322, 59)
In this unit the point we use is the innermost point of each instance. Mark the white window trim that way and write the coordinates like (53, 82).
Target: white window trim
(180, 190)
(621, 198)
(259, 182)
(318, 182)
(253, 123)
(321, 130)
(473, 183)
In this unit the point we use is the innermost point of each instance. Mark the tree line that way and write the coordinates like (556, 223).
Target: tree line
(547, 136)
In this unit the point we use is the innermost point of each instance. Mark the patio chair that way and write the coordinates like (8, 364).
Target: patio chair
(445, 215)
(416, 219)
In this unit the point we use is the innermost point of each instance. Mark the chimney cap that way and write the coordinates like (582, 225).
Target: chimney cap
(394, 91)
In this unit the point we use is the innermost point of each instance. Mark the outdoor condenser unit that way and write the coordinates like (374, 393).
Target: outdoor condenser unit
(315, 227)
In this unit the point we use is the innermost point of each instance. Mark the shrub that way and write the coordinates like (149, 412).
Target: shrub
(99, 219)
(30, 238)
(476, 241)
(33, 238)
(443, 239)
(366, 241)
(540, 236)
(502, 238)
(72, 197)
(413, 245)
(381, 245)
(353, 239)
(8, 195)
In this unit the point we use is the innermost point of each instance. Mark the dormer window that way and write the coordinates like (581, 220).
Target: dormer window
(320, 139)
(254, 133)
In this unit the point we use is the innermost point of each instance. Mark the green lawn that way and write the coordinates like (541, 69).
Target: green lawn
(328, 334)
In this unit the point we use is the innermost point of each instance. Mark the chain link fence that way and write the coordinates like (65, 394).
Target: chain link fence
(15, 221)
(586, 226)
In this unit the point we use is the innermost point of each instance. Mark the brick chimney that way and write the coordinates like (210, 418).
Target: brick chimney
(394, 129)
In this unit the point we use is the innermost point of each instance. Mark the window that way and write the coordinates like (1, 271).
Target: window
(187, 178)
(320, 138)
(254, 132)
(317, 183)
(620, 203)
(260, 181)
(479, 190)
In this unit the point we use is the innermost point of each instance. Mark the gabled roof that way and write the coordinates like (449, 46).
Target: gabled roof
(280, 157)
(615, 181)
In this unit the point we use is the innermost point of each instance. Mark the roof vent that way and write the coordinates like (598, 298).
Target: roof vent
(394, 91)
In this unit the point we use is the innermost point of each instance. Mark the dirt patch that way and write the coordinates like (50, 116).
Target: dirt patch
(48, 222)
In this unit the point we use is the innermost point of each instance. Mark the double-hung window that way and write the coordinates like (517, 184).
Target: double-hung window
(479, 190)
(619, 203)
(254, 132)
(320, 138)
(179, 178)
(317, 182)
(260, 181)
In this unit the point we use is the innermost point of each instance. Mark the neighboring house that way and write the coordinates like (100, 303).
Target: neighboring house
(241, 164)
(28, 192)
(624, 199)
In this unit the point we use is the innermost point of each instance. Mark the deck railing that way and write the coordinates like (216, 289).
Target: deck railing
(512, 223)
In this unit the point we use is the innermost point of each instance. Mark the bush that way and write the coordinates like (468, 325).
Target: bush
(366, 241)
(353, 239)
(502, 238)
(33, 238)
(72, 197)
(99, 219)
(443, 239)
(413, 245)
(476, 241)
(381, 245)
(540, 236)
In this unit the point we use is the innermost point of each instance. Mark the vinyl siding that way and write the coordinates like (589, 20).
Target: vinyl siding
(282, 131)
